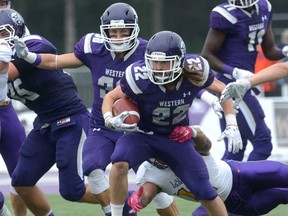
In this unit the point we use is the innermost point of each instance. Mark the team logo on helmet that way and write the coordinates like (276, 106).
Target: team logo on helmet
(16, 18)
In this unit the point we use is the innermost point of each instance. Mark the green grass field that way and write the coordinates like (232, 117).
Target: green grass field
(65, 208)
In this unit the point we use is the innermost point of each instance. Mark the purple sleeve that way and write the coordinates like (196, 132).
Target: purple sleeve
(218, 21)
(90, 43)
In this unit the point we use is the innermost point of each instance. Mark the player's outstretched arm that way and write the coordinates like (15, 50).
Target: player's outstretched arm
(238, 89)
(45, 61)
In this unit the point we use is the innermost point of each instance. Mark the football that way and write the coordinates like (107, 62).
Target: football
(124, 104)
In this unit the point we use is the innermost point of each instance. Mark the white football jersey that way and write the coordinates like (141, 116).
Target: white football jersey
(219, 171)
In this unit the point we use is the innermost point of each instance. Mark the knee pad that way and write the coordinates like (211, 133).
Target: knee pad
(97, 181)
(162, 200)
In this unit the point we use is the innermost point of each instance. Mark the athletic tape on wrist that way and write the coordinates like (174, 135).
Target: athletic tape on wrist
(230, 119)
(107, 115)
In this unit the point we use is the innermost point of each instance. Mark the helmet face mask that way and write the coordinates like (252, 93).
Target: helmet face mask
(7, 33)
(168, 71)
(164, 57)
(242, 3)
(119, 16)
(11, 25)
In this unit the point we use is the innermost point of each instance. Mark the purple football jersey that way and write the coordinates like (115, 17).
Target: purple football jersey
(106, 69)
(162, 110)
(244, 32)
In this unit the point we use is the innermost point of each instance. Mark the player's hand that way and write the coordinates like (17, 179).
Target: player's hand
(134, 201)
(244, 74)
(181, 134)
(285, 51)
(117, 123)
(235, 90)
(232, 133)
(241, 74)
(20, 47)
(23, 52)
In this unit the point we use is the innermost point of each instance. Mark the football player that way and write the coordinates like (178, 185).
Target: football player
(107, 55)
(164, 92)
(59, 126)
(247, 188)
(236, 29)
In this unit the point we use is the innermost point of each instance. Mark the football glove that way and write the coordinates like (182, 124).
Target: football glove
(182, 133)
(235, 90)
(240, 73)
(23, 52)
(117, 122)
(232, 133)
(134, 201)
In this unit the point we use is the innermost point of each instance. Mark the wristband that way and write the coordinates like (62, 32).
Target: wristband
(33, 58)
(107, 115)
(227, 69)
(194, 132)
(37, 60)
(230, 119)
(208, 97)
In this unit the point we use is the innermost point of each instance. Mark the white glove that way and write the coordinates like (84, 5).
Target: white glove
(213, 101)
(240, 73)
(235, 90)
(232, 133)
(23, 52)
(285, 51)
(117, 122)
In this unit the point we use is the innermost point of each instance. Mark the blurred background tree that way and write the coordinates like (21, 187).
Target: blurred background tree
(65, 21)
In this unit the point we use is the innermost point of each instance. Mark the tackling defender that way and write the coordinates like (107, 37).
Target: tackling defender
(247, 188)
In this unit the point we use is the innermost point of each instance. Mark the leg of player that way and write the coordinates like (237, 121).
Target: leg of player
(88, 197)
(118, 180)
(19, 207)
(35, 200)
